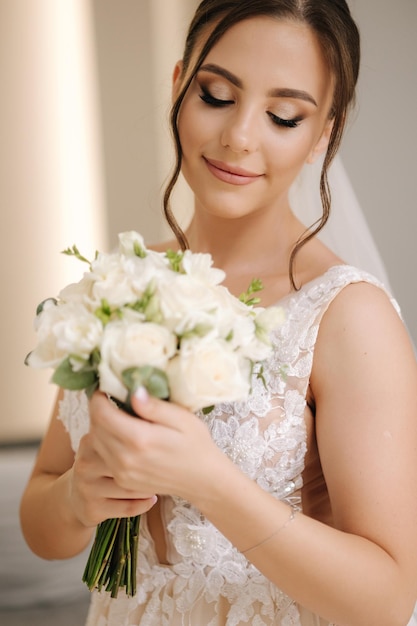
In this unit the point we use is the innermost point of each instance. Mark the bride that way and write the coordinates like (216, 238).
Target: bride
(296, 507)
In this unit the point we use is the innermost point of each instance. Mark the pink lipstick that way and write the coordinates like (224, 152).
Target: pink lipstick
(230, 173)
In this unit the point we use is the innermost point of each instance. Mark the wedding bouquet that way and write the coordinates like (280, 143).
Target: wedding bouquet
(161, 320)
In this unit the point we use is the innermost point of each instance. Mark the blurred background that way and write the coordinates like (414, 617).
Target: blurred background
(85, 151)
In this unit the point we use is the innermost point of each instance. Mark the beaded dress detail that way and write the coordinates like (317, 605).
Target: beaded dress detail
(206, 581)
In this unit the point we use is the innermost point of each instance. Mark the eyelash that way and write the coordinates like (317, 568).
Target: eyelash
(211, 100)
(207, 98)
(279, 121)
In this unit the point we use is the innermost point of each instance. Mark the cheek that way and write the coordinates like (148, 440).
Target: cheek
(291, 148)
(199, 128)
(192, 128)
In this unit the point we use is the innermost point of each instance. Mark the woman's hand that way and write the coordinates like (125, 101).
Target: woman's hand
(168, 451)
(95, 493)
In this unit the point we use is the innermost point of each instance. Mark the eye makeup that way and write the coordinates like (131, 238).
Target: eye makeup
(216, 102)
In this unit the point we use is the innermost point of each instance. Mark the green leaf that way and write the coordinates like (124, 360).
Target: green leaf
(91, 389)
(65, 377)
(247, 298)
(106, 313)
(175, 260)
(75, 252)
(207, 409)
(199, 330)
(138, 250)
(262, 334)
(260, 376)
(41, 306)
(148, 305)
(152, 310)
(153, 379)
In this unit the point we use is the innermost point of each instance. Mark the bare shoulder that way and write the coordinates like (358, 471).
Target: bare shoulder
(361, 326)
(363, 312)
(364, 385)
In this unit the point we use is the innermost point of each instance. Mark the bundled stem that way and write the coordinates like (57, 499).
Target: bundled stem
(112, 561)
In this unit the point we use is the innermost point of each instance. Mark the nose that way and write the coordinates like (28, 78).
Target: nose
(241, 131)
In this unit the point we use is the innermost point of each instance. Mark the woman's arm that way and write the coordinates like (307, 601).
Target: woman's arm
(67, 495)
(364, 381)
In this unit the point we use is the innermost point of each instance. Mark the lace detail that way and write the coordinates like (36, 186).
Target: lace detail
(207, 581)
(73, 412)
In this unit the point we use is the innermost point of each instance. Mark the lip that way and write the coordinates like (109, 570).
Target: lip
(231, 173)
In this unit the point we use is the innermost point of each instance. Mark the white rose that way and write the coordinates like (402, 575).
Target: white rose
(64, 330)
(179, 294)
(207, 372)
(132, 345)
(79, 332)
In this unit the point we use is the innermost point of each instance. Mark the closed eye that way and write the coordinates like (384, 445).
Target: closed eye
(279, 121)
(211, 100)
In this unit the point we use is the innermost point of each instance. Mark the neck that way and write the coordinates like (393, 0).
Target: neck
(256, 242)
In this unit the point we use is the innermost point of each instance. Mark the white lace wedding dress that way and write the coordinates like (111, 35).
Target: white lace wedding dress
(204, 580)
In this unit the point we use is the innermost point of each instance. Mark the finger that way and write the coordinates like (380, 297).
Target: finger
(128, 507)
(106, 416)
(159, 411)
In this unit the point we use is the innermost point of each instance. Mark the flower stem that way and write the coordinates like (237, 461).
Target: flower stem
(113, 557)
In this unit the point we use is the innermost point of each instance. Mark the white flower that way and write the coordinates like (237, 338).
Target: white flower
(142, 273)
(200, 267)
(207, 372)
(133, 309)
(80, 292)
(111, 281)
(64, 330)
(132, 344)
(131, 242)
(270, 318)
(257, 346)
(180, 294)
(196, 323)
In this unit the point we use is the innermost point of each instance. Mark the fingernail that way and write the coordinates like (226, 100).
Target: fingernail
(141, 394)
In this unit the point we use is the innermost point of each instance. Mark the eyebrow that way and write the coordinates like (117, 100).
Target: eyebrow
(277, 92)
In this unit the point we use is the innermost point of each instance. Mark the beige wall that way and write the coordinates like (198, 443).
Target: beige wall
(380, 147)
(51, 192)
(138, 43)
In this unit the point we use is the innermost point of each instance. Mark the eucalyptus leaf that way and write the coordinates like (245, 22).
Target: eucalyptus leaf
(152, 378)
(65, 377)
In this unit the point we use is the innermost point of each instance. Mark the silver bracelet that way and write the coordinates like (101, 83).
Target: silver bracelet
(278, 530)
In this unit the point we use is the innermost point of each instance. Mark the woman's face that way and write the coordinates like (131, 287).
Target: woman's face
(257, 110)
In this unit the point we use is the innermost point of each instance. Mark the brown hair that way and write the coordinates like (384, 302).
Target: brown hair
(338, 35)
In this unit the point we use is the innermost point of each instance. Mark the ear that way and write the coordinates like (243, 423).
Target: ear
(176, 79)
(323, 142)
